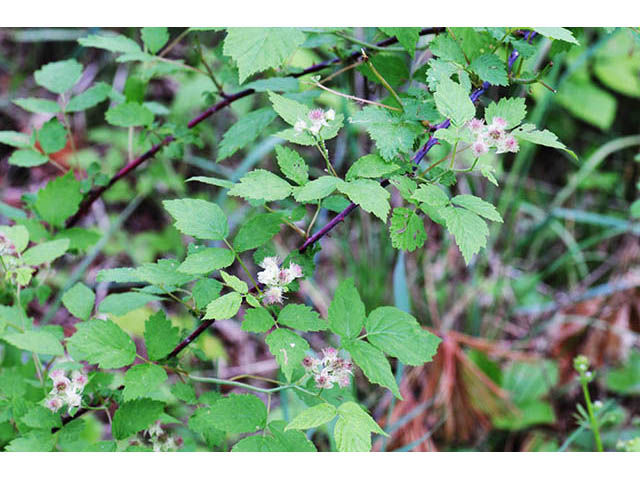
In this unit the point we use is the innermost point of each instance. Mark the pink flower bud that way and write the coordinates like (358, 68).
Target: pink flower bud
(273, 295)
(479, 148)
(476, 125)
(54, 403)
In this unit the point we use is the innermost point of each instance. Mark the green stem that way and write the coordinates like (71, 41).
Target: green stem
(592, 418)
(231, 383)
(370, 46)
(244, 267)
(384, 82)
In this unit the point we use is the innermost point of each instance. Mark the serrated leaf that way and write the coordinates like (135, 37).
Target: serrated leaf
(289, 349)
(261, 185)
(119, 304)
(205, 291)
(224, 307)
(557, 33)
(479, 206)
(369, 195)
(257, 231)
(238, 414)
(141, 380)
(407, 36)
(79, 300)
(374, 364)
(45, 252)
(257, 49)
(399, 335)
(391, 133)
(292, 165)
(469, 230)
(301, 317)
(27, 158)
(134, 416)
(129, 114)
(18, 235)
(164, 273)
(102, 342)
(406, 229)
(352, 431)
(431, 195)
(513, 110)
(52, 136)
(245, 131)
(313, 417)
(154, 38)
(37, 105)
(160, 336)
(234, 282)
(89, 98)
(490, 69)
(37, 341)
(58, 77)
(453, 102)
(207, 260)
(257, 320)
(198, 218)
(370, 166)
(346, 311)
(316, 189)
(529, 133)
(446, 48)
(59, 199)
(113, 43)
(41, 417)
(202, 422)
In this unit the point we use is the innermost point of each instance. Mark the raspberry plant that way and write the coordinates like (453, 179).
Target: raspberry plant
(427, 127)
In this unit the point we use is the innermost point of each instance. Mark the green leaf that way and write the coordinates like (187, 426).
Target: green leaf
(261, 185)
(468, 229)
(198, 218)
(286, 441)
(374, 364)
(301, 317)
(58, 77)
(205, 291)
(224, 307)
(102, 342)
(257, 231)
(529, 133)
(406, 229)
(634, 209)
(45, 252)
(370, 166)
(313, 417)
(588, 102)
(625, 380)
(202, 422)
(160, 336)
(399, 335)
(292, 165)
(79, 300)
(129, 114)
(478, 206)
(289, 349)
(446, 48)
(238, 414)
(513, 110)
(41, 417)
(316, 189)
(134, 416)
(184, 392)
(346, 311)
(113, 43)
(15, 139)
(490, 69)
(18, 235)
(154, 38)
(163, 273)
(234, 282)
(369, 195)
(34, 441)
(37, 105)
(52, 136)
(141, 380)
(27, 158)
(217, 182)
(245, 131)
(453, 102)
(557, 33)
(89, 98)
(276, 84)
(289, 110)
(392, 134)
(37, 341)
(59, 200)
(257, 320)
(353, 429)
(257, 49)
(207, 260)
(407, 36)
(119, 304)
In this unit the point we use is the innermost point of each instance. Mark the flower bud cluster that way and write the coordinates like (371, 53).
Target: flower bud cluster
(329, 370)
(277, 279)
(317, 119)
(493, 135)
(66, 391)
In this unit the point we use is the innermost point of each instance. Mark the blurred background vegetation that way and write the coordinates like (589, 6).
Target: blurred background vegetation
(559, 278)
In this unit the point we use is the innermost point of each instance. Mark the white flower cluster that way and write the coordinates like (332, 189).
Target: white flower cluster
(493, 135)
(6, 246)
(329, 370)
(65, 391)
(161, 441)
(277, 279)
(317, 118)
